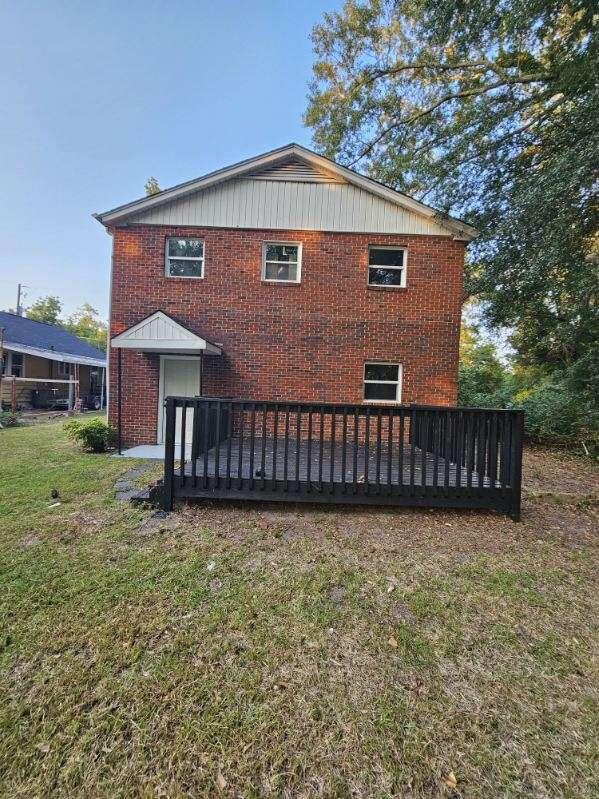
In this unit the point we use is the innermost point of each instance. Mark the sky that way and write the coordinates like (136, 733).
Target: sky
(97, 97)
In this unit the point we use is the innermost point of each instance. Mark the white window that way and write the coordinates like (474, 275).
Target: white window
(281, 262)
(382, 382)
(63, 369)
(184, 257)
(387, 267)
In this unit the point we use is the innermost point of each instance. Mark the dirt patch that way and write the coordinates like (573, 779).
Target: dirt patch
(545, 472)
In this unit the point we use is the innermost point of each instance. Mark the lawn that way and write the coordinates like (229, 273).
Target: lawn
(281, 651)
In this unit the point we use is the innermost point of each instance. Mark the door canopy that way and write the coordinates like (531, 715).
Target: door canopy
(162, 334)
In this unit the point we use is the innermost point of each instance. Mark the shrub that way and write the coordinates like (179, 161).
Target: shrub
(555, 414)
(9, 419)
(95, 435)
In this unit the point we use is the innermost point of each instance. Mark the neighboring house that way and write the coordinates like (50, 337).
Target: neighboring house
(284, 277)
(47, 367)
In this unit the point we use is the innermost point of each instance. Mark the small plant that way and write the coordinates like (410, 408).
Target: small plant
(9, 419)
(95, 435)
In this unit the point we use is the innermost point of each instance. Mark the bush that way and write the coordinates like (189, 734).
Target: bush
(555, 414)
(9, 419)
(95, 435)
(560, 407)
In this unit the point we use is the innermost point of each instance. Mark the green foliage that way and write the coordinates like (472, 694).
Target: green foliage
(46, 309)
(9, 419)
(87, 325)
(558, 408)
(554, 414)
(95, 435)
(489, 111)
(151, 187)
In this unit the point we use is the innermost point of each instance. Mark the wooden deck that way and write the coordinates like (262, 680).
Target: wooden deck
(360, 454)
(276, 459)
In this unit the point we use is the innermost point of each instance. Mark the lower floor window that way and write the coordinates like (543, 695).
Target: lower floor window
(382, 382)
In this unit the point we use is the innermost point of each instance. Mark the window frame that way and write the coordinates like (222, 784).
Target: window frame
(63, 369)
(8, 365)
(397, 383)
(168, 258)
(403, 269)
(298, 278)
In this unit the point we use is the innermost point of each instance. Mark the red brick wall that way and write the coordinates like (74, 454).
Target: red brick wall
(305, 341)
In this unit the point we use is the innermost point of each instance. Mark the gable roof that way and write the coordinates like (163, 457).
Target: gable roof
(159, 332)
(305, 165)
(47, 341)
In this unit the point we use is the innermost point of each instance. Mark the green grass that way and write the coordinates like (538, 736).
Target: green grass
(251, 651)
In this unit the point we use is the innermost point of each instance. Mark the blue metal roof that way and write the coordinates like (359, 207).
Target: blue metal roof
(20, 331)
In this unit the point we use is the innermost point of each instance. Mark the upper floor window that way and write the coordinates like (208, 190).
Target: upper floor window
(387, 266)
(184, 257)
(281, 262)
(382, 382)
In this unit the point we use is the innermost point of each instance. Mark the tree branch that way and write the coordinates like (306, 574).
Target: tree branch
(427, 111)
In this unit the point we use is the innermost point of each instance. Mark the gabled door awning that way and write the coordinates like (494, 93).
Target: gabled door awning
(160, 333)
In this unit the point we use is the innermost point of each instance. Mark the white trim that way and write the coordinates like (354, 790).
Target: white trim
(459, 228)
(168, 258)
(298, 263)
(398, 383)
(53, 355)
(403, 269)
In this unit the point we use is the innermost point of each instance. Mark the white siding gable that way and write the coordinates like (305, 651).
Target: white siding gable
(298, 204)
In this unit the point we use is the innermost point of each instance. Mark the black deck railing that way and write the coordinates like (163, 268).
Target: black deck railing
(368, 454)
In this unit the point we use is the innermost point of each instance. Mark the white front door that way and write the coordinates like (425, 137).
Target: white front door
(179, 377)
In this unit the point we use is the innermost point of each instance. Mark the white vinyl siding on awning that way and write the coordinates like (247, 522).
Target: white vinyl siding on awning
(161, 334)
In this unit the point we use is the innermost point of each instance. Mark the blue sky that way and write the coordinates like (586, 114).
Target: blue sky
(96, 97)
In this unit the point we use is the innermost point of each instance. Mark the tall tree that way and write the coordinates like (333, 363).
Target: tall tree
(46, 309)
(87, 325)
(490, 111)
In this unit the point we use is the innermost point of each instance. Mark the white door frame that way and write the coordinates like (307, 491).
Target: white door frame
(163, 358)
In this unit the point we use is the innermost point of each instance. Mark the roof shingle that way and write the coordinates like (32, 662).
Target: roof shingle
(19, 330)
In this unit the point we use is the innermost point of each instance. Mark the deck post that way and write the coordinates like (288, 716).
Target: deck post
(517, 441)
(119, 371)
(166, 501)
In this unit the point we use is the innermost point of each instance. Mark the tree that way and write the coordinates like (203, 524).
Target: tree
(151, 186)
(46, 309)
(482, 376)
(490, 111)
(86, 324)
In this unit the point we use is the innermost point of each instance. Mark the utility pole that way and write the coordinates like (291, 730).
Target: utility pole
(20, 288)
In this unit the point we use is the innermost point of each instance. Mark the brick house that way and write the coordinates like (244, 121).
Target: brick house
(283, 277)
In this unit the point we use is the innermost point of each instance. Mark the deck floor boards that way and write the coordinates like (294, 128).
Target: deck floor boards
(307, 463)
